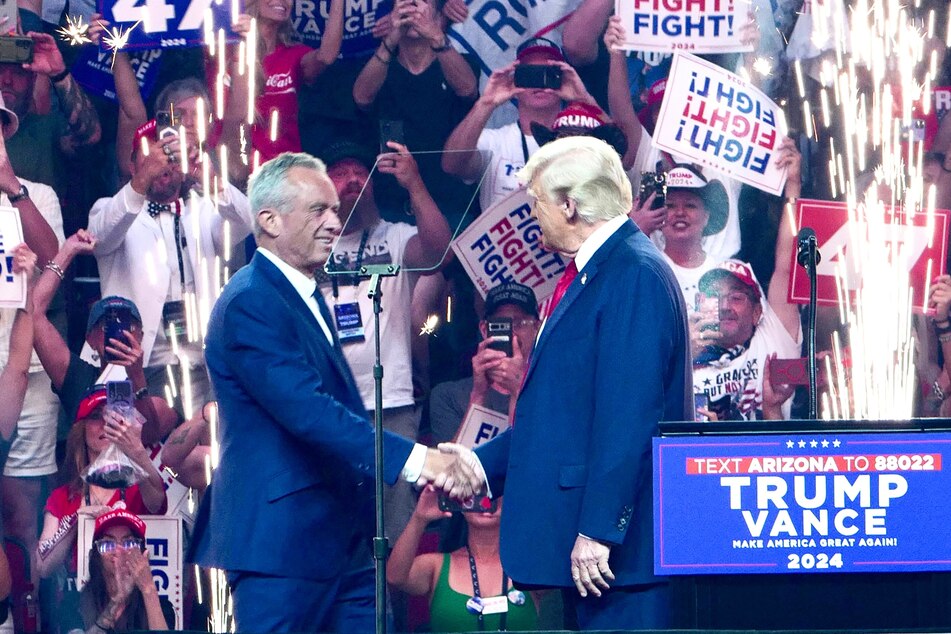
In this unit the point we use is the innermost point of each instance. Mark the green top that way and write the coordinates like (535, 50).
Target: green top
(448, 613)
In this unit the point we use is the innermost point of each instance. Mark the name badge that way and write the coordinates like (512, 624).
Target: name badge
(495, 605)
(349, 322)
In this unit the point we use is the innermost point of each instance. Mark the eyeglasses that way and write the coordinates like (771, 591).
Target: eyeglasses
(107, 545)
(525, 324)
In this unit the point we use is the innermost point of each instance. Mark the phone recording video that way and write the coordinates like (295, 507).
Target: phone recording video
(475, 504)
(537, 76)
(499, 334)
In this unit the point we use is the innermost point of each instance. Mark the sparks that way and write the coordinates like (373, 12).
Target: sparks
(117, 38)
(429, 326)
(75, 32)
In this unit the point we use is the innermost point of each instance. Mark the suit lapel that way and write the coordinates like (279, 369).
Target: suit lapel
(577, 287)
(303, 312)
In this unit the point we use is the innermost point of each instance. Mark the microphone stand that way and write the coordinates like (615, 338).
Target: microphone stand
(809, 258)
(375, 273)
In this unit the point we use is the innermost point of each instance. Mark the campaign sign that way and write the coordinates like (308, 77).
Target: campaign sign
(504, 245)
(93, 70)
(922, 241)
(801, 503)
(163, 543)
(168, 23)
(942, 101)
(359, 17)
(481, 425)
(698, 26)
(715, 118)
(12, 285)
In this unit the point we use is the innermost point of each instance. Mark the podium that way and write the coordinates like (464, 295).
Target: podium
(805, 525)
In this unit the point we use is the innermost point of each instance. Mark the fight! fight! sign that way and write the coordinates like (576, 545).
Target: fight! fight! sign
(698, 26)
(715, 118)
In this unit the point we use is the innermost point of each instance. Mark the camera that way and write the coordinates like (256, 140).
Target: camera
(16, 50)
(537, 76)
(654, 183)
(116, 323)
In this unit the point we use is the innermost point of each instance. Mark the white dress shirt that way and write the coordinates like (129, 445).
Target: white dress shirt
(305, 286)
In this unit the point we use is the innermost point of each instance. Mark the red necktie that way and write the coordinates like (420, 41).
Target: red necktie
(571, 272)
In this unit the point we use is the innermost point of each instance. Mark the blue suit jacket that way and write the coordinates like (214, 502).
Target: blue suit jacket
(612, 361)
(294, 484)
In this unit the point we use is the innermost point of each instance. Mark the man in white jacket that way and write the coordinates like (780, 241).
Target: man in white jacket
(161, 244)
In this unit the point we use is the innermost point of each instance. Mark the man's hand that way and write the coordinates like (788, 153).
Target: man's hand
(648, 220)
(788, 157)
(423, 18)
(401, 165)
(47, 60)
(454, 470)
(500, 86)
(484, 360)
(572, 88)
(940, 297)
(505, 377)
(589, 566)
(126, 353)
(382, 27)
(701, 333)
(163, 154)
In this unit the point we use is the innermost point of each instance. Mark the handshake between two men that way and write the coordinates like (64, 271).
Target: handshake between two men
(453, 469)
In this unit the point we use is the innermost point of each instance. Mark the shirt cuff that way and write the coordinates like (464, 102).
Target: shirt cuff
(414, 464)
(134, 201)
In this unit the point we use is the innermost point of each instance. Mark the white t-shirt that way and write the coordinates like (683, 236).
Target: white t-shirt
(504, 158)
(719, 246)
(741, 379)
(385, 244)
(689, 279)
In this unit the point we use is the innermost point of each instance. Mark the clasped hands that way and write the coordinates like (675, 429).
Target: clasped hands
(453, 469)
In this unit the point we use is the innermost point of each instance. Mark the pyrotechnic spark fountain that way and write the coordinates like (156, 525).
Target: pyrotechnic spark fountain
(75, 31)
(875, 90)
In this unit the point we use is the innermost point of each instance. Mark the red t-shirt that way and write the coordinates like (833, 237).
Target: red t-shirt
(60, 506)
(282, 77)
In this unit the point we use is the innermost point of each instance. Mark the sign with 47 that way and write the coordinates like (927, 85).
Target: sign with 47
(170, 23)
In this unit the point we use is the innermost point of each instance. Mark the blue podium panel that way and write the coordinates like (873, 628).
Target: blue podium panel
(802, 503)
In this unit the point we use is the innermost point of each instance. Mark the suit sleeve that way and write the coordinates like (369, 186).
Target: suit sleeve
(635, 343)
(235, 209)
(110, 218)
(266, 360)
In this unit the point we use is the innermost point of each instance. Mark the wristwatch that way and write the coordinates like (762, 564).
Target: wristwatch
(22, 194)
(142, 393)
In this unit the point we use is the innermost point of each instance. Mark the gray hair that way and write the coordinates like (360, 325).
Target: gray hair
(270, 188)
(584, 169)
(180, 90)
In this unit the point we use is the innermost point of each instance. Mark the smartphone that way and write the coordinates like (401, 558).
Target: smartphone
(537, 76)
(700, 401)
(119, 394)
(709, 305)
(475, 504)
(795, 372)
(499, 333)
(116, 322)
(391, 130)
(15, 49)
(166, 124)
(654, 183)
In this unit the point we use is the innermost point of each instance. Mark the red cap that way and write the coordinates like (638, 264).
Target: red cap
(539, 46)
(579, 115)
(654, 95)
(147, 129)
(119, 517)
(738, 270)
(92, 401)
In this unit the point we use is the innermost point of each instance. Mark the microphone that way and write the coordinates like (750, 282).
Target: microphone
(806, 245)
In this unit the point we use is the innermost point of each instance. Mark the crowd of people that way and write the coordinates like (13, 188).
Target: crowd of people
(135, 212)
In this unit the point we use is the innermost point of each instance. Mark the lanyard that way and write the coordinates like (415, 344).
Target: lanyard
(89, 501)
(524, 144)
(478, 594)
(179, 245)
(358, 262)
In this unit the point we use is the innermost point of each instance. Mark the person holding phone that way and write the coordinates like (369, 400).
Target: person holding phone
(467, 589)
(504, 150)
(498, 365)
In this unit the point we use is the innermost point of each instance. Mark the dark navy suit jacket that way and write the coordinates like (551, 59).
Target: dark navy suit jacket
(612, 360)
(294, 486)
